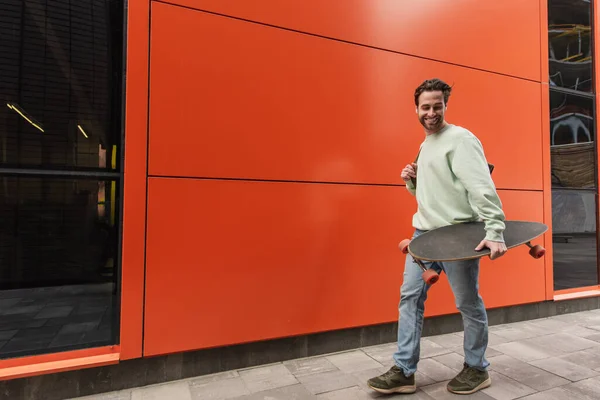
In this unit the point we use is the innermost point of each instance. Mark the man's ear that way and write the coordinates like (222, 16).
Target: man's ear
(417, 110)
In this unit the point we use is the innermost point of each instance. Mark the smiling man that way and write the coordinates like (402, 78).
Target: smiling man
(452, 184)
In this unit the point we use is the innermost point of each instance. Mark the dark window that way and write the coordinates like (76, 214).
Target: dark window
(59, 83)
(61, 71)
(572, 141)
(573, 144)
(570, 44)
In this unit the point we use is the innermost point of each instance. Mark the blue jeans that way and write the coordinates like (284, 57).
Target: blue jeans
(463, 278)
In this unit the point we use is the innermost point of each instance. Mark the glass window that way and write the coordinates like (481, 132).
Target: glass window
(61, 71)
(570, 44)
(58, 258)
(572, 141)
(573, 172)
(60, 64)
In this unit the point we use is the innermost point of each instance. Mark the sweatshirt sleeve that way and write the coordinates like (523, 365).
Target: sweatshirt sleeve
(470, 167)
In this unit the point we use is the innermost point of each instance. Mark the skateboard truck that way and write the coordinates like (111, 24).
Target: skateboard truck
(429, 276)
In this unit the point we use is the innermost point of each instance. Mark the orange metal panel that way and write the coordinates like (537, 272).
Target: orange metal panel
(286, 106)
(134, 206)
(237, 261)
(500, 36)
(22, 367)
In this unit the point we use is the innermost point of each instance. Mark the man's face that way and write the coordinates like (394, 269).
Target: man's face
(431, 110)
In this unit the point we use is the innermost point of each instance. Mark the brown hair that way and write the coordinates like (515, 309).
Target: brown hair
(431, 85)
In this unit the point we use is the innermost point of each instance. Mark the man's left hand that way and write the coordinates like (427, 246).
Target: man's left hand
(497, 249)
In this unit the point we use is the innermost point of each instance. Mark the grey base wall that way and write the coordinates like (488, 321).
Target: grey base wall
(153, 370)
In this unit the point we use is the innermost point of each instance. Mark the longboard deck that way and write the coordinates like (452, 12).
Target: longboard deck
(458, 242)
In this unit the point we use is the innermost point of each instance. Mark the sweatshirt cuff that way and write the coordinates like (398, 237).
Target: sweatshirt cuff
(494, 236)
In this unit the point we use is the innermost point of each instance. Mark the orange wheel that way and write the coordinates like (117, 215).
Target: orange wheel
(403, 246)
(430, 277)
(537, 251)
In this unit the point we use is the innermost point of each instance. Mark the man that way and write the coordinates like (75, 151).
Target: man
(452, 184)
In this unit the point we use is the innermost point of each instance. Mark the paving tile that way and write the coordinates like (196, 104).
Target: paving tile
(351, 393)
(588, 389)
(595, 338)
(580, 318)
(176, 390)
(383, 353)
(439, 392)
(505, 388)
(585, 358)
(436, 370)
(214, 377)
(307, 366)
(121, 395)
(6, 304)
(353, 361)
(79, 327)
(430, 349)
(580, 331)
(218, 390)
(535, 378)
(494, 339)
(565, 369)
(562, 342)
(294, 392)
(355, 393)
(559, 393)
(54, 312)
(448, 341)
(525, 351)
(267, 377)
(451, 360)
(489, 352)
(22, 310)
(519, 332)
(361, 377)
(549, 324)
(327, 381)
(422, 380)
(7, 335)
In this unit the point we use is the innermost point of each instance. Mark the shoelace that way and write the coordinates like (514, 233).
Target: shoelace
(390, 373)
(468, 374)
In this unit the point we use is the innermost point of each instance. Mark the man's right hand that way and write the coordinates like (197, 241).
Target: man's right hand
(410, 171)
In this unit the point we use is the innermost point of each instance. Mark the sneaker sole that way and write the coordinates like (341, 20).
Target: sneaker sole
(401, 389)
(485, 384)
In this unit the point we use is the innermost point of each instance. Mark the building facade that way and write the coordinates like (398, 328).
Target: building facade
(189, 186)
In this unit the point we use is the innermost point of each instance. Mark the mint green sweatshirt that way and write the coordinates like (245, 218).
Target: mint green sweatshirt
(454, 184)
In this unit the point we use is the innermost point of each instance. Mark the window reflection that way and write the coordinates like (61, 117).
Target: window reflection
(58, 253)
(61, 70)
(570, 44)
(573, 168)
(572, 141)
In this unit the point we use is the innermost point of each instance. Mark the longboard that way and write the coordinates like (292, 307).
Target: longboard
(458, 242)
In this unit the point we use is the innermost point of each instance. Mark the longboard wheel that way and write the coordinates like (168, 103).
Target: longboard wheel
(430, 277)
(537, 251)
(403, 246)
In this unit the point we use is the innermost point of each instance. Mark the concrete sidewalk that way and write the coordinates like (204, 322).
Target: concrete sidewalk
(544, 359)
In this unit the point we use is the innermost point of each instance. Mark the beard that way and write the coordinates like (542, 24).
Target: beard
(432, 124)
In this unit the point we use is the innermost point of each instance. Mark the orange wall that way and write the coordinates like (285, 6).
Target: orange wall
(275, 142)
